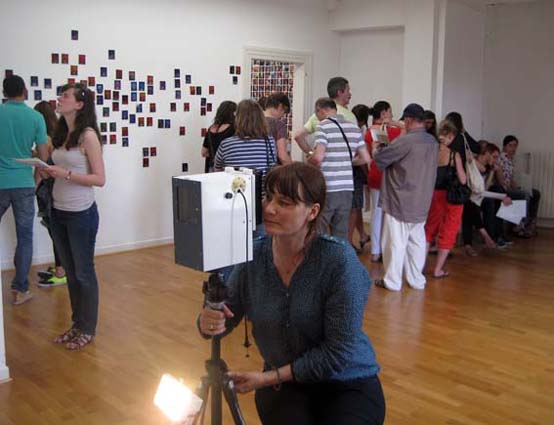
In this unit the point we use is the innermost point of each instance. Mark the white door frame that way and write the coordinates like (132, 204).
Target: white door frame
(302, 86)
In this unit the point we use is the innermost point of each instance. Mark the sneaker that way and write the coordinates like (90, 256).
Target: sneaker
(46, 274)
(53, 281)
(501, 243)
(21, 297)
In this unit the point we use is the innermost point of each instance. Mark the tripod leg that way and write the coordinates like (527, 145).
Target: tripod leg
(232, 401)
(203, 392)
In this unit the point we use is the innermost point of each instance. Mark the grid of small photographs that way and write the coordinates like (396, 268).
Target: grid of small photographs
(269, 76)
(128, 100)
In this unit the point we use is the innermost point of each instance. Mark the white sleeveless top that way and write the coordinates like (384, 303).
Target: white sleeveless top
(67, 195)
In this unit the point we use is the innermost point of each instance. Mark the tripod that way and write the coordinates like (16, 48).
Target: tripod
(217, 379)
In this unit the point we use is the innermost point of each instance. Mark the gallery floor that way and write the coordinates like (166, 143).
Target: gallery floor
(475, 348)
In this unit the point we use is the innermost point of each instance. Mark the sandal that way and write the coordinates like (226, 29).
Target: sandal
(442, 275)
(67, 336)
(470, 251)
(79, 341)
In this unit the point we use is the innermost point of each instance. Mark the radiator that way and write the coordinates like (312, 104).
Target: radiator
(541, 168)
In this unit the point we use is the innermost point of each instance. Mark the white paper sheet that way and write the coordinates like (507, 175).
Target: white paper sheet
(35, 162)
(513, 213)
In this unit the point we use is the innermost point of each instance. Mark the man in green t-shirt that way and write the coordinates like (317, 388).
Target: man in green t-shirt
(20, 129)
(338, 89)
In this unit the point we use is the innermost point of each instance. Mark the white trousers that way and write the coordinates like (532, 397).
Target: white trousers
(376, 221)
(403, 250)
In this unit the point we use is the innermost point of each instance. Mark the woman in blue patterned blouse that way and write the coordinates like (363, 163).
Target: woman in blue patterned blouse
(305, 294)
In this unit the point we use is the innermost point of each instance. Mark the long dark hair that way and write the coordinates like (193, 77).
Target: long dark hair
(361, 112)
(456, 119)
(85, 118)
(225, 113)
(299, 182)
(378, 108)
(430, 115)
(49, 115)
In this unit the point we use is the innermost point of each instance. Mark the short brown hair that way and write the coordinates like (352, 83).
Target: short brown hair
(250, 122)
(325, 103)
(490, 148)
(301, 183)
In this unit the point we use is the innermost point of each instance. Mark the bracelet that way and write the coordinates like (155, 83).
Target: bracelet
(68, 177)
(277, 386)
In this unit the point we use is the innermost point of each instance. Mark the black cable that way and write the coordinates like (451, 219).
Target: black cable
(247, 343)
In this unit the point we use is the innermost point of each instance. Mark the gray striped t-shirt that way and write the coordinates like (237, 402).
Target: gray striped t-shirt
(336, 166)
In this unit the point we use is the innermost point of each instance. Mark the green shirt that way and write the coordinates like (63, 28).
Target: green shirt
(312, 122)
(20, 129)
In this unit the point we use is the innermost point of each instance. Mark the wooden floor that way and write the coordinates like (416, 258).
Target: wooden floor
(476, 348)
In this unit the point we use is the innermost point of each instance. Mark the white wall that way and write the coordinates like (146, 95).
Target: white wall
(418, 20)
(462, 88)
(201, 38)
(519, 66)
(372, 61)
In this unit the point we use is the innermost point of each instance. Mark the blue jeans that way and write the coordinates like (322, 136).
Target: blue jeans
(75, 238)
(22, 201)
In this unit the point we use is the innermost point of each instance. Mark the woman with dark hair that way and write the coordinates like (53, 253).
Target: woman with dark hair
(472, 217)
(444, 219)
(382, 121)
(78, 168)
(458, 145)
(305, 295)
(53, 275)
(50, 119)
(356, 222)
(505, 176)
(222, 128)
(430, 120)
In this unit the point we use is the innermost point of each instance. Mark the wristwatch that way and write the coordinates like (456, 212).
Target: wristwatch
(68, 177)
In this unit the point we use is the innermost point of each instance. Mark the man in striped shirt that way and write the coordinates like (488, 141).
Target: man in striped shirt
(338, 146)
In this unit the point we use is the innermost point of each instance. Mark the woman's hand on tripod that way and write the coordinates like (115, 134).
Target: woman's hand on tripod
(212, 322)
(249, 381)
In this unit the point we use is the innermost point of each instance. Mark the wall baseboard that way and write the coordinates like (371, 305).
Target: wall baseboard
(4, 374)
(547, 223)
(100, 250)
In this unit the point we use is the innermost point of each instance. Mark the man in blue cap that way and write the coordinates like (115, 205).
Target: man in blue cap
(409, 170)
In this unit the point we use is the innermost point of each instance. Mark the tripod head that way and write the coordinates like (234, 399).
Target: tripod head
(215, 291)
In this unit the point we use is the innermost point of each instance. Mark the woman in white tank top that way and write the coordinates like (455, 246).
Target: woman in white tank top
(78, 168)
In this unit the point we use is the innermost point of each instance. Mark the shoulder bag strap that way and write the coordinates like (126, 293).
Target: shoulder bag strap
(343, 136)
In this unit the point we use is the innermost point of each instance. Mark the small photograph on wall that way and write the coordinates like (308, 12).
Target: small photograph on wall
(74, 35)
(47, 83)
(111, 54)
(55, 58)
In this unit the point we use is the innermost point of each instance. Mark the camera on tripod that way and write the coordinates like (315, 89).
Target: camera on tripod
(214, 216)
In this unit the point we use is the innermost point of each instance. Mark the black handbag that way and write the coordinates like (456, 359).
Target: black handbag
(456, 192)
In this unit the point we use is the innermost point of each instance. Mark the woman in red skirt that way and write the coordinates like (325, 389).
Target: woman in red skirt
(444, 219)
